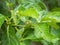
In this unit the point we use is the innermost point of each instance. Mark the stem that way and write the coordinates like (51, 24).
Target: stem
(8, 33)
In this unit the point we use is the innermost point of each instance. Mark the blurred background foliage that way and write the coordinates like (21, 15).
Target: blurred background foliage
(52, 4)
(7, 5)
(13, 3)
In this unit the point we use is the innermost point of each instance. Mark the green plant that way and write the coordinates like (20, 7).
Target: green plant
(29, 21)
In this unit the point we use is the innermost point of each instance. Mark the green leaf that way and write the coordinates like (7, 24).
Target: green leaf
(28, 9)
(41, 29)
(53, 25)
(56, 32)
(44, 33)
(51, 16)
(28, 12)
(2, 18)
(50, 38)
(37, 31)
(10, 38)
